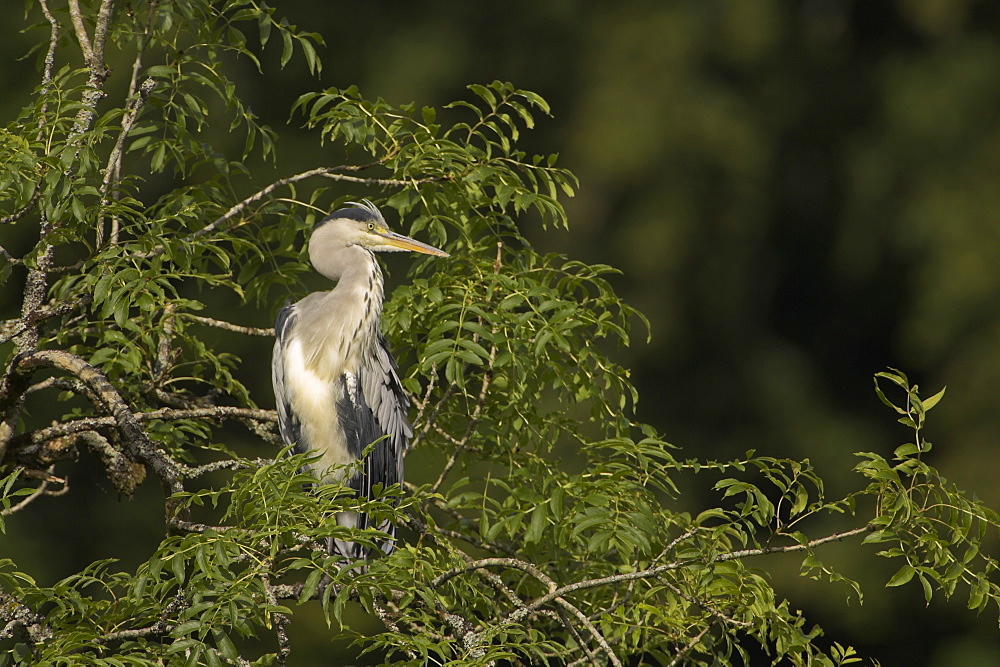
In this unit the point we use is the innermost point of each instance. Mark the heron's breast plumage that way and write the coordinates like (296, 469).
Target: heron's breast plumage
(335, 332)
(313, 397)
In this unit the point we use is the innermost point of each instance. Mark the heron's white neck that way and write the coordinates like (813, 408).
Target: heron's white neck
(359, 283)
(341, 326)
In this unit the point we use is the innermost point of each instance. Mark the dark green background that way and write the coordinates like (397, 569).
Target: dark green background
(799, 194)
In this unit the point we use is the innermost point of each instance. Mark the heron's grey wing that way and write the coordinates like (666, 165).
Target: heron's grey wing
(288, 423)
(377, 414)
(384, 392)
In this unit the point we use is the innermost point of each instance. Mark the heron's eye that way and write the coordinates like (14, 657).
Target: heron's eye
(371, 226)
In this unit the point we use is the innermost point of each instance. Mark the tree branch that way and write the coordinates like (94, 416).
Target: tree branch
(732, 555)
(126, 475)
(17, 215)
(138, 96)
(136, 442)
(93, 54)
(225, 464)
(280, 625)
(161, 626)
(332, 173)
(690, 645)
(790, 548)
(592, 629)
(13, 328)
(113, 169)
(101, 31)
(219, 324)
(28, 444)
(50, 55)
(556, 594)
(81, 32)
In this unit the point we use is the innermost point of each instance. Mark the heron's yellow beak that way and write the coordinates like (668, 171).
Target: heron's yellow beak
(406, 243)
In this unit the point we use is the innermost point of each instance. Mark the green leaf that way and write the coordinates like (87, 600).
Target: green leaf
(537, 525)
(177, 566)
(926, 585)
(264, 27)
(288, 46)
(933, 400)
(903, 575)
(311, 584)
(315, 65)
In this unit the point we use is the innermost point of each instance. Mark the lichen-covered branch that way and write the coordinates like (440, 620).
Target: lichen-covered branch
(113, 170)
(135, 440)
(18, 619)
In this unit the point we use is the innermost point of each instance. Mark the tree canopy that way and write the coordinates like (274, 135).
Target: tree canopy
(544, 523)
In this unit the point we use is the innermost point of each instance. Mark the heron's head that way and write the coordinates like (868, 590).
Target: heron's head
(354, 227)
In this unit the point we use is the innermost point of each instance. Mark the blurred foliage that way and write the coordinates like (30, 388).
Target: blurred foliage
(800, 193)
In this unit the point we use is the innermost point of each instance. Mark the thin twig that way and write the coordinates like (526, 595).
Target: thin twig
(226, 464)
(8, 257)
(732, 555)
(556, 594)
(674, 542)
(50, 55)
(422, 402)
(431, 420)
(113, 169)
(42, 490)
(333, 173)
(515, 563)
(141, 49)
(20, 213)
(388, 621)
(704, 606)
(228, 326)
(115, 162)
(523, 611)
(161, 626)
(424, 529)
(183, 525)
(11, 329)
(687, 648)
(588, 654)
(763, 551)
(592, 629)
(463, 442)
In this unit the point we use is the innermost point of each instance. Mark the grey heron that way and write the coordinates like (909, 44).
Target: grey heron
(336, 385)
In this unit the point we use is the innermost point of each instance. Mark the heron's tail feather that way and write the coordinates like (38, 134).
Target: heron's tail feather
(352, 551)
